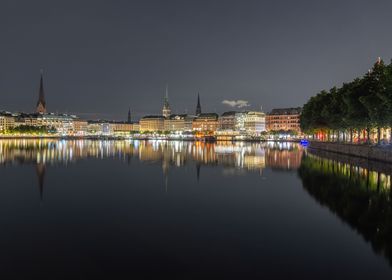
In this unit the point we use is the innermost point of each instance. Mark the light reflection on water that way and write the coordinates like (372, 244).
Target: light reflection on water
(249, 156)
(262, 213)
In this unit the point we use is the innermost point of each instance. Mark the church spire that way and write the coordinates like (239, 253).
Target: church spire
(41, 103)
(129, 115)
(166, 107)
(198, 107)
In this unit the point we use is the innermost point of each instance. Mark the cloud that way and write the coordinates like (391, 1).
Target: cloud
(236, 103)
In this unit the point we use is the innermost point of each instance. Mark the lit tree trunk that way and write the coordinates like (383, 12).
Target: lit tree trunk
(378, 135)
(364, 134)
(351, 135)
(390, 136)
(368, 135)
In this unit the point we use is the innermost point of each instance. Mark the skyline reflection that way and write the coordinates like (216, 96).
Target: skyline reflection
(234, 157)
(249, 156)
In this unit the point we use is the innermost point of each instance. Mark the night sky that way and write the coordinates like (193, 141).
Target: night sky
(101, 57)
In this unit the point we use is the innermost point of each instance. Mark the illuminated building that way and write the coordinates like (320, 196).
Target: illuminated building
(284, 119)
(254, 123)
(61, 122)
(135, 126)
(152, 123)
(7, 121)
(123, 128)
(227, 121)
(100, 127)
(206, 122)
(178, 123)
(251, 122)
(80, 126)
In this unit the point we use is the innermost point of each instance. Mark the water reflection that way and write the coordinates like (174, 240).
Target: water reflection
(357, 191)
(250, 156)
(233, 157)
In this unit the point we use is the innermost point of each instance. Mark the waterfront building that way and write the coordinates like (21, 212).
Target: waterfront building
(166, 112)
(239, 121)
(206, 122)
(227, 121)
(285, 119)
(61, 122)
(99, 127)
(41, 103)
(251, 123)
(178, 123)
(7, 121)
(64, 124)
(152, 123)
(80, 127)
(198, 106)
(121, 128)
(254, 123)
(94, 127)
(135, 126)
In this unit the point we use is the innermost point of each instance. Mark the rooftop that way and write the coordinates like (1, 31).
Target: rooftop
(286, 111)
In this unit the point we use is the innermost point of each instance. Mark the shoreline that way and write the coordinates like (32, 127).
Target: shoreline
(374, 153)
(370, 164)
(143, 138)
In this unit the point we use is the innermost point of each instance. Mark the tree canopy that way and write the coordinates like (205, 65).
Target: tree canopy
(362, 104)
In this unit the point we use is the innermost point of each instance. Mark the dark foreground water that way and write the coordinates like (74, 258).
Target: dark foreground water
(136, 210)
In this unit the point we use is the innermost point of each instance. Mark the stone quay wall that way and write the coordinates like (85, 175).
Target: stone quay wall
(383, 154)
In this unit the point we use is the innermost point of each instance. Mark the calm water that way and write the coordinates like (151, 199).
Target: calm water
(134, 210)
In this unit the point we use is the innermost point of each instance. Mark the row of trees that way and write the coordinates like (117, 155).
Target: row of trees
(29, 129)
(358, 107)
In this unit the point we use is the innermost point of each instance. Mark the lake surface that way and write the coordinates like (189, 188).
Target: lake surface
(82, 209)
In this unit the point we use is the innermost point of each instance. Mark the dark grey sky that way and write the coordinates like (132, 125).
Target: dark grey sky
(100, 57)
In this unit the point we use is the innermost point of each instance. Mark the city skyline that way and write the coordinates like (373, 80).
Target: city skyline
(41, 107)
(99, 59)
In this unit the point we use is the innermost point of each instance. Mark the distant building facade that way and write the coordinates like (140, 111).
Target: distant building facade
(249, 122)
(80, 127)
(152, 123)
(254, 123)
(179, 123)
(121, 128)
(227, 121)
(284, 119)
(7, 121)
(206, 122)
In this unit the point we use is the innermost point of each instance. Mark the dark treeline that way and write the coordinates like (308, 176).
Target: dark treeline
(355, 111)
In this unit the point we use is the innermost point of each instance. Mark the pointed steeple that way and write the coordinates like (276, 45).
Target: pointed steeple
(41, 103)
(129, 116)
(198, 107)
(166, 107)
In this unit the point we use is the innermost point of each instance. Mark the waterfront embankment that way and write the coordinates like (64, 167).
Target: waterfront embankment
(368, 152)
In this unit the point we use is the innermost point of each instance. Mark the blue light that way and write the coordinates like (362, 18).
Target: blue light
(304, 142)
